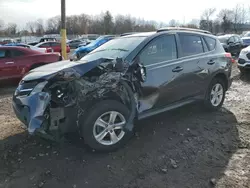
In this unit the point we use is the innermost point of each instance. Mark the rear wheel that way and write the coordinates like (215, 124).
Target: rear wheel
(215, 94)
(104, 126)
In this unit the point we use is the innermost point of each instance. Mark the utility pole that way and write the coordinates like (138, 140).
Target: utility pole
(63, 29)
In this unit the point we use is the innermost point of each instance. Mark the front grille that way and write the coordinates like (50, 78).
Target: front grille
(241, 61)
(25, 88)
(248, 55)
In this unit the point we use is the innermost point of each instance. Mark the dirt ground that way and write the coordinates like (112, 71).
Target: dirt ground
(187, 147)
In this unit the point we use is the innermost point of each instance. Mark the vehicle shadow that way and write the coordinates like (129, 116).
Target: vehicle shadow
(186, 147)
(245, 77)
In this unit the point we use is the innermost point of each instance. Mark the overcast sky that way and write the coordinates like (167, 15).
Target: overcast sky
(22, 11)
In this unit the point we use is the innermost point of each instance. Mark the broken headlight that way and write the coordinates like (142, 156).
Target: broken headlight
(38, 88)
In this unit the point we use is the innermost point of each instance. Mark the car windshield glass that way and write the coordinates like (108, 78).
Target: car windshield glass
(117, 48)
(223, 39)
(247, 34)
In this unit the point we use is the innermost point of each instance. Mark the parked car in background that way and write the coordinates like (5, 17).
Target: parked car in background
(83, 50)
(246, 39)
(125, 79)
(244, 60)
(44, 39)
(43, 50)
(15, 61)
(76, 42)
(52, 46)
(6, 41)
(231, 43)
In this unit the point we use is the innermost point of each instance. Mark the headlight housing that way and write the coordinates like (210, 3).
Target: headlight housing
(244, 51)
(39, 87)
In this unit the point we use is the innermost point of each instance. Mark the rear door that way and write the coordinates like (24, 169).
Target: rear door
(55, 46)
(191, 53)
(8, 65)
(159, 57)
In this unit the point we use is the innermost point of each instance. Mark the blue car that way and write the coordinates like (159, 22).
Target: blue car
(83, 50)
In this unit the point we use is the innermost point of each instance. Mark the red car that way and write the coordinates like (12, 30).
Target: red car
(52, 46)
(15, 62)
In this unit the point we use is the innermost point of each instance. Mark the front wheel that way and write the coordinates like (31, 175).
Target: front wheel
(215, 94)
(104, 126)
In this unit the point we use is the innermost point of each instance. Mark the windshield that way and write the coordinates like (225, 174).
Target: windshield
(116, 48)
(247, 34)
(223, 39)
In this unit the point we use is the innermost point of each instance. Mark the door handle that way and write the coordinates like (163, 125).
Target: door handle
(11, 62)
(177, 69)
(211, 62)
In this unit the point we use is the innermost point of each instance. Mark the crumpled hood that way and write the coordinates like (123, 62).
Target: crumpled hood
(48, 71)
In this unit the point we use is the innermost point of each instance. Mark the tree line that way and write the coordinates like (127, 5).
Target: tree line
(233, 20)
(104, 23)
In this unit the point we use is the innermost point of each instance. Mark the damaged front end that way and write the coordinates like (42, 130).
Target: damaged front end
(57, 104)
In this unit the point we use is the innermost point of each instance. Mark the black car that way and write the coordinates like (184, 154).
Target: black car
(231, 43)
(127, 79)
(76, 42)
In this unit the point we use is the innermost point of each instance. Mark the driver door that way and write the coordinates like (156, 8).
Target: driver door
(159, 57)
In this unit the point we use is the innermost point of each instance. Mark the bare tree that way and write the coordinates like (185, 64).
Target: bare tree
(31, 26)
(108, 23)
(53, 25)
(39, 27)
(226, 18)
(173, 23)
(206, 17)
(11, 29)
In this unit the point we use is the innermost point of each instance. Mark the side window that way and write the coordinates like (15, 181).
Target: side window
(45, 45)
(190, 44)
(54, 44)
(2, 53)
(158, 50)
(231, 40)
(210, 43)
(17, 53)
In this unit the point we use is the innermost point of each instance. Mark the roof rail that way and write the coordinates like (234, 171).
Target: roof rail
(182, 29)
(129, 33)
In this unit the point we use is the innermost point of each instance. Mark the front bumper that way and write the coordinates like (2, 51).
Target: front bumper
(31, 110)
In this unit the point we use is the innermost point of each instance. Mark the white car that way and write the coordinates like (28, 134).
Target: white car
(244, 59)
(42, 50)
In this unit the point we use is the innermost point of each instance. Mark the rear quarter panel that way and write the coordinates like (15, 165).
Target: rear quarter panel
(41, 59)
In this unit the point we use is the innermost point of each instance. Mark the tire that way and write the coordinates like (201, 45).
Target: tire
(212, 87)
(89, 128)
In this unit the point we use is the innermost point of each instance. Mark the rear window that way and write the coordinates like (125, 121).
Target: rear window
(17, 53)
(190, 45)
(210, 43)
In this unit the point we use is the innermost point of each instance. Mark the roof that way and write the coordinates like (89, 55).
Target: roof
(142, 34)
(183, 29)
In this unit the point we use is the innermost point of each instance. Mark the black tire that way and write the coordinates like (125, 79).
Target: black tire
(90, 119)
(208, 103)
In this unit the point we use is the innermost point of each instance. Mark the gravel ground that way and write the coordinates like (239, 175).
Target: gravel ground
(187, 147)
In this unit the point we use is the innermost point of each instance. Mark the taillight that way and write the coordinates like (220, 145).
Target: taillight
(228, 55)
